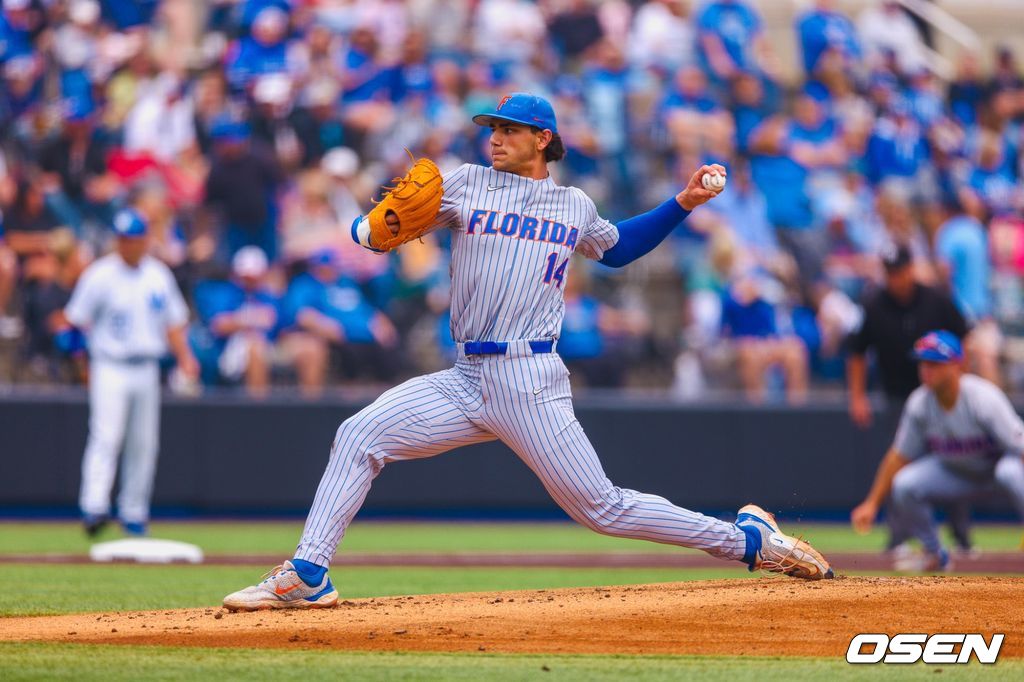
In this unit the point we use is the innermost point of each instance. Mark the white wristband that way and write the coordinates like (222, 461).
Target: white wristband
(361, 231)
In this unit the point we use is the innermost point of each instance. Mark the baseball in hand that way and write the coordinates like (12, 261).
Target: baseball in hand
(713, 182)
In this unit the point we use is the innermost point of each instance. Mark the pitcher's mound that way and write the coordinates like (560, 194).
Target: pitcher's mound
(771, 616)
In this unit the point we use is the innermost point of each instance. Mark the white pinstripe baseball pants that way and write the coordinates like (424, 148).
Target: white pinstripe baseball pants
(526, 402)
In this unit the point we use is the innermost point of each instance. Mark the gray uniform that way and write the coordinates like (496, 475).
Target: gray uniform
(969, 452)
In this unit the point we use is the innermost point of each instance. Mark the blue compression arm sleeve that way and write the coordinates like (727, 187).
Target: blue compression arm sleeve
(640, 234)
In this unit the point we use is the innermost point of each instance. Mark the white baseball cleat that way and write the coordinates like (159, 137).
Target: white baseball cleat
(923, 562)
(282, 588)
(781, 553)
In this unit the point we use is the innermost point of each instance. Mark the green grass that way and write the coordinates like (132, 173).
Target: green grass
(279, 538)
(112, 663)
(55, 589)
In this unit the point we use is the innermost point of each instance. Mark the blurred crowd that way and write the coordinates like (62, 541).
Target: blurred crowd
(250, 134)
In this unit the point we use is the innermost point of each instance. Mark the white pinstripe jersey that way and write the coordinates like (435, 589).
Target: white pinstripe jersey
(512, 238)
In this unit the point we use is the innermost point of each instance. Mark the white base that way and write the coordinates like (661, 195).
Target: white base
(146, 551)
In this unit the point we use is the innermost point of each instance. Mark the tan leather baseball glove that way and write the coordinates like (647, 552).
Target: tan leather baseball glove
(414, 200)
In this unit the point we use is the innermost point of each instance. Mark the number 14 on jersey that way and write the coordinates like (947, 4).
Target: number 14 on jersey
(552, 273)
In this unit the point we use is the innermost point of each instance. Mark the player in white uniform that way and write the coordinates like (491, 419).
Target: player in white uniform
(131, 310)
(959, 439)
(513, 234)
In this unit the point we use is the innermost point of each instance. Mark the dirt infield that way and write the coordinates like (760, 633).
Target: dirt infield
(987, 563)
(772, 616)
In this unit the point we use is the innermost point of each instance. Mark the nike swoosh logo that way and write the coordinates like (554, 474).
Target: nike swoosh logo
(278, 591)
(537, 391)
(491, 189)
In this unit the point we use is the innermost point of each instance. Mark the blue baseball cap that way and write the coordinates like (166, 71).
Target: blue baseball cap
(229, 130)
(523, 108)
(816, 91)
(128, 223)
(938, 346)
(78, 108)
(324, 257)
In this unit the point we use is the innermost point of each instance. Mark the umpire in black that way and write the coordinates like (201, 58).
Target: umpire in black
(894, 317)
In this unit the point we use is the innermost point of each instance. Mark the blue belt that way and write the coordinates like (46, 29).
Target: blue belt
(501, 347)
(133, 360)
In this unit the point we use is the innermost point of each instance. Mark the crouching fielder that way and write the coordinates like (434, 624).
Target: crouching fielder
(513, 234)
(959, 439)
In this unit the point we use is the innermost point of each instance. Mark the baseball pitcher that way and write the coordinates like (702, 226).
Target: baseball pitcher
(514, 232)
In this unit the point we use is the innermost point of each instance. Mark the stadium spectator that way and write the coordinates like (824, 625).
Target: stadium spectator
(323, 54)
(968, 91)
(751, 105)
(331, 93)
(597, 340)
(21, 98)
(366, 91)
(49, 277)
(341, 167)
(731, 39)
(240, 320)
(130, 14)
(887, 32)
(743, 209)
(277, 125)
(574, 28)
(166, 238)
(373, 273)
(77, 178)
(242, 185)
(961, 246)
(901, 226)
(662, 37)
(925, 98)
(126, 84)
(897, 154)
(28, 221)
(508, 32)
(21, 24)
(211, 105)
(318, 122)
(828, 40)
(389, 21)
(160, 124)
(606, 97)
(76, 44)
(266, 50)
(814, 139)
(992, 188)
(10, 325)
(750, 320)
(696, 124)
(309, 223)
(322, 310)
(1006, 77)
(789, 155)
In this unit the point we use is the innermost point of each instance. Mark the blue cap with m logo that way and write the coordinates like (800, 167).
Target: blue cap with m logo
(128, 223)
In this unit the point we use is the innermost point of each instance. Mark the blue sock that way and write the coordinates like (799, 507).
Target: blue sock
(753, 545)
(310, 573)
